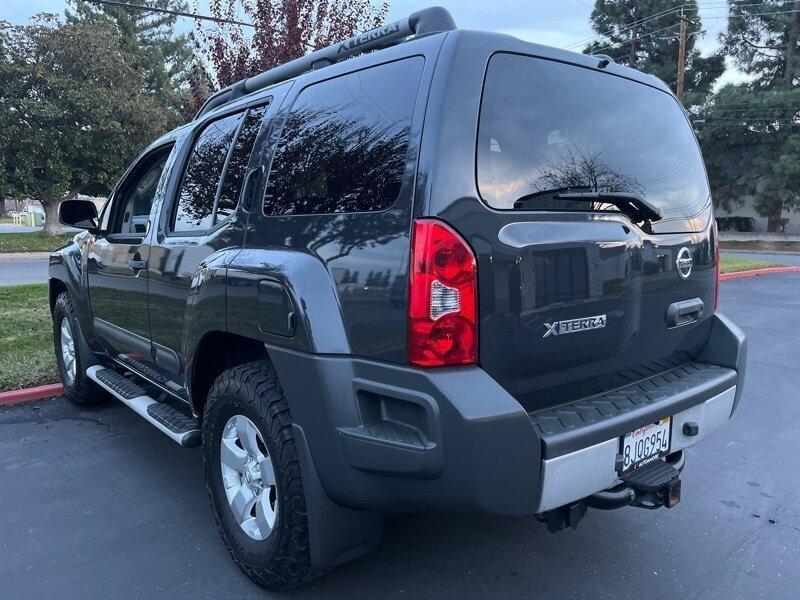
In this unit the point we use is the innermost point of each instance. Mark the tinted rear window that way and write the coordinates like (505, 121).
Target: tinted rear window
(343, 147)
(203, 171)
(550, 126)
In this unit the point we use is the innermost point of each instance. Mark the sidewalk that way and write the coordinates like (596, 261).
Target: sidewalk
(757, 236)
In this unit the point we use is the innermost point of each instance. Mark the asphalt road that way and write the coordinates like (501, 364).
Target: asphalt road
(98, 504)
(21, 268)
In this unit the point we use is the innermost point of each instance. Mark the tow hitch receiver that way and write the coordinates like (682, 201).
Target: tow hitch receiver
(652, 486)
(655, 485)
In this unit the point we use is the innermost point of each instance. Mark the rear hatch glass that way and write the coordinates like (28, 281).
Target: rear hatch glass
(549, 127)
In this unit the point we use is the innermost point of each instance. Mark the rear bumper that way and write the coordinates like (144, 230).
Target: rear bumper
(576, 475)
(390, 438)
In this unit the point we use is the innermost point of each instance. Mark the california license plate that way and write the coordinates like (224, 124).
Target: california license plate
(646, 444)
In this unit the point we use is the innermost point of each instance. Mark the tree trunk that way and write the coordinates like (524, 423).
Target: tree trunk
(51, 223)
(774, 220)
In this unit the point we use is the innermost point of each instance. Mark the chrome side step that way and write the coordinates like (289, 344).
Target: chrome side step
(177, 426)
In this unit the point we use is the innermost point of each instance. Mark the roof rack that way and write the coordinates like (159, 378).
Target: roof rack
(430, 20)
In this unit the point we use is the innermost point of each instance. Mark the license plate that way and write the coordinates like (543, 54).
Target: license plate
(645, 444)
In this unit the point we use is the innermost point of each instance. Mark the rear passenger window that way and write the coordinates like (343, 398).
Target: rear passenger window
(344, 144)
(203, 171)
(237, 165)
(212, 182)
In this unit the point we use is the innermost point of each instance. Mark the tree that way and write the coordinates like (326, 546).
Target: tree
(75, 110)
(751, 135)
(643, 34)
(284, 30)
(162, 58)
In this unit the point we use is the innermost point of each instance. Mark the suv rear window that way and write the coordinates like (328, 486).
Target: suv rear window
(343, 147)
(547, 126)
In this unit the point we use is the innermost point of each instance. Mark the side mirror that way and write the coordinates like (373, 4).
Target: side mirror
(78, 213)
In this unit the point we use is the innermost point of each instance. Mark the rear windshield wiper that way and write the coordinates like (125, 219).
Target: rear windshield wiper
(539, 199)
(633, 205)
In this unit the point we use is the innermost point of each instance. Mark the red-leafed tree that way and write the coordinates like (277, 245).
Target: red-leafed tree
(284, 30)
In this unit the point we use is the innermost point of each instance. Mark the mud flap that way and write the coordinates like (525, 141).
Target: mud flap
(336, 534)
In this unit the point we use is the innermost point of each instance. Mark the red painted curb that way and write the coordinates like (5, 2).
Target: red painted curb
(757, 272)
(34, 393)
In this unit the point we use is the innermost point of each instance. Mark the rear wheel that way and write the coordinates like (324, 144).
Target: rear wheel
(71, 364)
(253, 476)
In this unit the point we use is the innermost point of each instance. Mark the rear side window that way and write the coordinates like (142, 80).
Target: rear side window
(212, 182)
(237, 164)
(547, 127)
(201, 179)
(344, 144)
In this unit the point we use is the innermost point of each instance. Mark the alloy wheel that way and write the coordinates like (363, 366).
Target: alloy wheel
(248, 477)
(68, 351)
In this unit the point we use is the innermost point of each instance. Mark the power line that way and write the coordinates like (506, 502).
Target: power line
(755, 14)
(177, 13)
(636, 23)
(659, 15)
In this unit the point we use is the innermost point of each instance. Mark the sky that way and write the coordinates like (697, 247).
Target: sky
(551, 22)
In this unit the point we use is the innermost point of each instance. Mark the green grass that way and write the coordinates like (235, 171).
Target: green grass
(27, 357)
(732, 264)
(6, 220)
(38, 241)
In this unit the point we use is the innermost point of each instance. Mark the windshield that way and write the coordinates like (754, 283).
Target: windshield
(549, 129)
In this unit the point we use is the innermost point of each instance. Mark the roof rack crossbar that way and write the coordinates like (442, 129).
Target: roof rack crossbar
(429, 20)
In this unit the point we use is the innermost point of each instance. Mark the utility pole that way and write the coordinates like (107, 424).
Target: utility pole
(634, 37)
(681, 58)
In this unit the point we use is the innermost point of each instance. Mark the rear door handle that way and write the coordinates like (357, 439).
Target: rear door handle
(137, 265)
(685, 312)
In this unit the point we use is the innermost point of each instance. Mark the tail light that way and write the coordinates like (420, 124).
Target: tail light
(442, 308)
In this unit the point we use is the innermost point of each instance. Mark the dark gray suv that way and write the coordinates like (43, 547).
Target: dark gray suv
(457, 272)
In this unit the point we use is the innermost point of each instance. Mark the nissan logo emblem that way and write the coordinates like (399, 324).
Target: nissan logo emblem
(684, 263)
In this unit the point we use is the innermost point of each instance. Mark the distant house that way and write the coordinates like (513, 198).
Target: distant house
(744, 217)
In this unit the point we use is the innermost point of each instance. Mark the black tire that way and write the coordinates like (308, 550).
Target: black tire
(282, 560)
(82, 390)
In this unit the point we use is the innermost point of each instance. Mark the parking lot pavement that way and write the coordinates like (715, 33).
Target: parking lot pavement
(21, 267)
(96, 503)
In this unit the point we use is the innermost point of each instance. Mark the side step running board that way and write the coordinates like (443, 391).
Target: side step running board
(169, 420)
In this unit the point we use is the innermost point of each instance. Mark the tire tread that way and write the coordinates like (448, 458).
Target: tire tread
(258, 385)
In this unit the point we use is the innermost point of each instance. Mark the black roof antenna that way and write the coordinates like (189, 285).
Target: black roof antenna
(430, 20)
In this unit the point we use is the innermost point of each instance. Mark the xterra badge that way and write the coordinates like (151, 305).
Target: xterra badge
(575, 325)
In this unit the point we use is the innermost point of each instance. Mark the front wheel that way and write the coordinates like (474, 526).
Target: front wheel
(71, 364)
(253, 476)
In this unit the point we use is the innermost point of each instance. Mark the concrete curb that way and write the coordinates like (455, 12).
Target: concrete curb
(757, 272)
(30, 394)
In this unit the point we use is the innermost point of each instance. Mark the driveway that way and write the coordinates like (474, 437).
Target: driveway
(98, 504)
(23, 267)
